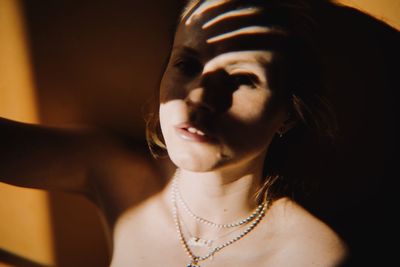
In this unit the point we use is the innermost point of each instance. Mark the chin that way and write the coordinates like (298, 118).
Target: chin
(196, 162)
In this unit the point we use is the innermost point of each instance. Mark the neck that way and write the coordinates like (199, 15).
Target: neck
(222, 196)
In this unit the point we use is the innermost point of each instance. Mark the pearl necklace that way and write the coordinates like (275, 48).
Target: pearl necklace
(210, 223)
(195, 259)
(195, 241)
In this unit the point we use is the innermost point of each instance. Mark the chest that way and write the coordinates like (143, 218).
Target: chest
(149, 238)
(162, 252)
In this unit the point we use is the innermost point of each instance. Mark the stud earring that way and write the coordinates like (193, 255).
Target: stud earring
(281, 131)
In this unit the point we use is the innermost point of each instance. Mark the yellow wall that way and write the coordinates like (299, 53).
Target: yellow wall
(386, 10)
(25, 227)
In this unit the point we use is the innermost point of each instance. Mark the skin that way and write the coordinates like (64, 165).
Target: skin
(219, 78)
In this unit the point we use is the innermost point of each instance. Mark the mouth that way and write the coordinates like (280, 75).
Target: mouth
(194, 133)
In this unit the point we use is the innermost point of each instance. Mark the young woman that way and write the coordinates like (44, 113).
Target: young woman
(240, 76)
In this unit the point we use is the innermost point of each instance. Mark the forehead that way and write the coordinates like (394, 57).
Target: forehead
(220, 26)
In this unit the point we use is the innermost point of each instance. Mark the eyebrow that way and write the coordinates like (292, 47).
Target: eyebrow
(242, 31)
(232, 14)
(205, 6)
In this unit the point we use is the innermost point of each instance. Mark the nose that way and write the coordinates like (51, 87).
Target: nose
(200, 111)
(196, 96)
(213, 93)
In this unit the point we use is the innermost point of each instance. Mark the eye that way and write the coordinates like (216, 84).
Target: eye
(246, 79)
(188, 66)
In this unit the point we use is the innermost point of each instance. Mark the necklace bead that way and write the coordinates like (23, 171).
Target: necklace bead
(205, 221)
(195, 259)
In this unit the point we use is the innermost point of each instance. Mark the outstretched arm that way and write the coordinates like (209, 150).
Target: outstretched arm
(45, 158)
(86, 162)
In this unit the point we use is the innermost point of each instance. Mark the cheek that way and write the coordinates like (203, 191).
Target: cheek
(249, 107)
(171, 87)
(172, 113)
(255, 117)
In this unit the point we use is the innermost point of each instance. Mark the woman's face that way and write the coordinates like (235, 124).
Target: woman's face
(217, 107)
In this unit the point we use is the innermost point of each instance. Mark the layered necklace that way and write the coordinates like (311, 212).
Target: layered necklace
(253, 220)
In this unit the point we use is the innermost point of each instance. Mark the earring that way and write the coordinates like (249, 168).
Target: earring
(281, 131)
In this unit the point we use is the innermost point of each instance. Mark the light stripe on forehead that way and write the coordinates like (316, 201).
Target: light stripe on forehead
(206, 5)
(242, 31)
(231, 14)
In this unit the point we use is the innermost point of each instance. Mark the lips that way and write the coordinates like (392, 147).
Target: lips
(195, 133)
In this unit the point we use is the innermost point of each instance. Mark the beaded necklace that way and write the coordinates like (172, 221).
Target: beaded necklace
(194, 260)
(210, 223)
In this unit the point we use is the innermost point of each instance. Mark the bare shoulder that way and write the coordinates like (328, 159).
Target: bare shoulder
(308, 241)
